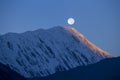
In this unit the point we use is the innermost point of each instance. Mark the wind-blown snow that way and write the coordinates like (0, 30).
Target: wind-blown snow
(43, 52)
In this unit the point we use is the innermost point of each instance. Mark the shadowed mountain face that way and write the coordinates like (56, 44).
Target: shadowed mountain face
(107, 69)
(44, 52)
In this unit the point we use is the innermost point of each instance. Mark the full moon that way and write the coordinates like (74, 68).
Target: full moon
(71, 21)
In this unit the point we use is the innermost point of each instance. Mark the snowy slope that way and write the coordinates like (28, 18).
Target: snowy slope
(43, 52)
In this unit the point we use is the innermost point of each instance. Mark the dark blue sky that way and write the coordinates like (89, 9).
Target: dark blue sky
(98, 20)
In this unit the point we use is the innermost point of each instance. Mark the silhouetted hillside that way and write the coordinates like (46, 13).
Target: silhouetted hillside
(7, 74)
(108, 69)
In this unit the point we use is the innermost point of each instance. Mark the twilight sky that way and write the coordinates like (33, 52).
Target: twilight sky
(97, 20)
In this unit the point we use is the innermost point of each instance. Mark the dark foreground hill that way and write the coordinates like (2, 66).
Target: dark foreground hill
(107, 69)
(7, 74)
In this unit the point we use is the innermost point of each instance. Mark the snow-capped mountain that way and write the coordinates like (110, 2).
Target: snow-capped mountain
(43, 52)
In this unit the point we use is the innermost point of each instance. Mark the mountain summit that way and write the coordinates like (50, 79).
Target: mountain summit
(44, 52)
